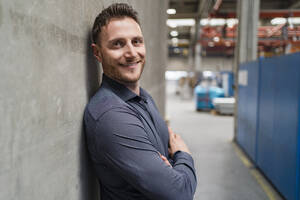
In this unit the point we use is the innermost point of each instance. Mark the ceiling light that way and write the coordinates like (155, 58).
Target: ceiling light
(217, 22)
(204, 22)
(231, 22)
(171, 11)
(294, 20)
(212, 22)
(216, 39)
(278, 20)
(174, 33)
(172, 25)
(180, 22)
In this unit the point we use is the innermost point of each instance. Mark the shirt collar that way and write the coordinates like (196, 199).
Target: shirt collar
(119, 89)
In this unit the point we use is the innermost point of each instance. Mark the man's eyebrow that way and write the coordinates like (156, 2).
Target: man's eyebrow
(115, 39)
(139, 37)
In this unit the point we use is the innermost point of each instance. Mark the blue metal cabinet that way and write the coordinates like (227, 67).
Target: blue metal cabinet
(247, 107)
(278, 130)
(269, 119)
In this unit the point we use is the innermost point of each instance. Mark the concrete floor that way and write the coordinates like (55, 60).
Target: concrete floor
(220, 172)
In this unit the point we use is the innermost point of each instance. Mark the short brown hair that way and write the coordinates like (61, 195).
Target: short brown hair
(116, 10)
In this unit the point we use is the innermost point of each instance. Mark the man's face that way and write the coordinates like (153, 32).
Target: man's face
(122, 50)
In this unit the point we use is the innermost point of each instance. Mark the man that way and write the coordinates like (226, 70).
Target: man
(127, 138)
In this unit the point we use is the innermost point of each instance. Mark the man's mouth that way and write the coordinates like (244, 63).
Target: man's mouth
(130, 64)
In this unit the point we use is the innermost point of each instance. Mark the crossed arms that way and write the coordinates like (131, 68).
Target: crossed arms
(127, 150)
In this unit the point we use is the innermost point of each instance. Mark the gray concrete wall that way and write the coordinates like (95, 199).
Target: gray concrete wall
(47, 75)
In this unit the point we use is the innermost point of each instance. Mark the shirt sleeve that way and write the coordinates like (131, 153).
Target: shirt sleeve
(122, 143)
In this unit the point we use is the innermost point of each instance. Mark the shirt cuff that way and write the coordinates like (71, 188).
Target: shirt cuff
(181, 157)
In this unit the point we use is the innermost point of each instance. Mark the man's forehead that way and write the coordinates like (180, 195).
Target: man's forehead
(121, 26)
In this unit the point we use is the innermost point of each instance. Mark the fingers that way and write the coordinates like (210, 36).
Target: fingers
(172, 134)
(165, 160)
(163, 157)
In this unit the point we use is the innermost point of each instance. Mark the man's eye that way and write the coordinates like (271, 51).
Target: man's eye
(137, 41)
(117, 44)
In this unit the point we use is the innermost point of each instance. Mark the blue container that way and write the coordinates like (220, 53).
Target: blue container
(205, 95)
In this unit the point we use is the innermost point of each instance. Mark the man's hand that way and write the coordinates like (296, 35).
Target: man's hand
(165, 160)
(176, 143)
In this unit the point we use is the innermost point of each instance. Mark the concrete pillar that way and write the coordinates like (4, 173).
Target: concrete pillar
(198, 62)
(248, 15)
(197, 56)
(246, 46)
(47, 76)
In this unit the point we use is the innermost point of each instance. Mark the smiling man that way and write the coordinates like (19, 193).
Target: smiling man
(135, 155)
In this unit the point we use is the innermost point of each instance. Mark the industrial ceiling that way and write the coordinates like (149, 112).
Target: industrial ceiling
(202, 8)
(197, 9)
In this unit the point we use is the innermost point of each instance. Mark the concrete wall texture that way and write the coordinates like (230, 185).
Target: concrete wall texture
(47, 76)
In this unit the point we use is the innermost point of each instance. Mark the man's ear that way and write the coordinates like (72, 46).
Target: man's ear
(96, 52)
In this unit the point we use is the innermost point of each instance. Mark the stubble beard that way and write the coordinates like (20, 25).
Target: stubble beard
(115, 74)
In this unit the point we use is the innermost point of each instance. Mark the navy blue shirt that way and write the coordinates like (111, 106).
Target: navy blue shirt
(125, 137)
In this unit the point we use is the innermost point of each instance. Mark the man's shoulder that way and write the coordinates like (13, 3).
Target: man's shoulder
(103, 101)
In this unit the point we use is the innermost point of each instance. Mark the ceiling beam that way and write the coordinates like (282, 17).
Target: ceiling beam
(295, 5)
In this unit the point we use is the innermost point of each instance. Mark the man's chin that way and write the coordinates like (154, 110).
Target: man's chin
(131, 78)
(128, 80)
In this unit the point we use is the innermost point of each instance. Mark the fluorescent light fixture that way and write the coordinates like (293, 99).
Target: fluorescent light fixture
(173, 23)
(278, 20)
(175, 75)
(204, 22)
(294, 20)
(174, 33)
(281, 20)
(231, 22)
(171, 11)
(212, 22)
(217, 22)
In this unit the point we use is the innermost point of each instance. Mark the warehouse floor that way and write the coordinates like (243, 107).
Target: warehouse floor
(222, 170)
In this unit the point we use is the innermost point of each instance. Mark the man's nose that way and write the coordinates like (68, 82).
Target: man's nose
(130, 51)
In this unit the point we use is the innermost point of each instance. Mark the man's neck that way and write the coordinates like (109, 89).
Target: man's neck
(134, 87)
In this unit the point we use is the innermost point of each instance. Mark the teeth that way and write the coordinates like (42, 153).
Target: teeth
(130, 64)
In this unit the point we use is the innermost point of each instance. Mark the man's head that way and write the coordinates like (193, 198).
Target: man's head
(118, 43)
